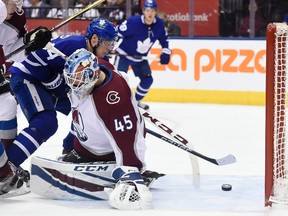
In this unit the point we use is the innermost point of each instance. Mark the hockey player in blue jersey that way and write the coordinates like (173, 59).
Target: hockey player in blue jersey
(39, 87)
(138, 35)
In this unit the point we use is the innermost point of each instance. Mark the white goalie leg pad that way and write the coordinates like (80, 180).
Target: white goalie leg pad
(130, 192)
(68, 181)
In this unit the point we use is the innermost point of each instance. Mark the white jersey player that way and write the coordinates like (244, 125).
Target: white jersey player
(3, 12)
(108, 126)
(10, 32)
(13, 35)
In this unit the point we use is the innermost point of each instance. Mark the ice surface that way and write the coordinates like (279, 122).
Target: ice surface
(214, 130)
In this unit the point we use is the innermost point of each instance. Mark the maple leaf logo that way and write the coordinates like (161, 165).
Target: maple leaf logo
(143, 47)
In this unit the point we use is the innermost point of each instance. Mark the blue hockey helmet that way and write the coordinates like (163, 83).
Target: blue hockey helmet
(150, 4)
(81, 71)
(104, 29)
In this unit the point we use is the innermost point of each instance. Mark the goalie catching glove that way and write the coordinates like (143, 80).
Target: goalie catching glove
(39, 37)
(130, 192)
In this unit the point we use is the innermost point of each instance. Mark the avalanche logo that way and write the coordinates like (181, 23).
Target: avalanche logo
(112, 97)
(78, 125)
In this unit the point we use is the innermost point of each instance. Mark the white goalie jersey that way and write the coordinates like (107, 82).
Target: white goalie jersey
(108, 121)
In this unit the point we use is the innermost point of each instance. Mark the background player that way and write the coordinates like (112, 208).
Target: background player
(139, 33)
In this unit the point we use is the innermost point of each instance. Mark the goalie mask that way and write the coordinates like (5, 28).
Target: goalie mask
(81, 72)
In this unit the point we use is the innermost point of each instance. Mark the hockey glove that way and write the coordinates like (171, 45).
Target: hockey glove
(130, 192)
(57, 86)
(165, 56)
(40, 37)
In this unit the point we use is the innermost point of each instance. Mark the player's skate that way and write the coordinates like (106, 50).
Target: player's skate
(16, 183)
(143, 106)
(24, 175)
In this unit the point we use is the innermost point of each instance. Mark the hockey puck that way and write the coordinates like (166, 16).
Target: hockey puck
(226, 187)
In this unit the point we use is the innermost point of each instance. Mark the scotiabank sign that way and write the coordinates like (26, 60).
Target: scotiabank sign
(205, 15)
(205, 18)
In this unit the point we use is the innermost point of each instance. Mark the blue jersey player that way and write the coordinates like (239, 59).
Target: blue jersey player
(39, 86)
(138, 34)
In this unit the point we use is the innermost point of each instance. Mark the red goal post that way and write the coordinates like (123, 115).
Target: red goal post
(276, 137)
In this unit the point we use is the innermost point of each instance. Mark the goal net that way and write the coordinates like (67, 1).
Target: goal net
(276, 152)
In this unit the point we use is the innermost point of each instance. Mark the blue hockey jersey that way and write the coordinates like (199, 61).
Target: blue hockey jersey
(138, 37)
(42, 65)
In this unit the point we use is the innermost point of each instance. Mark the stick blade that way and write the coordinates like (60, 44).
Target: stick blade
(229, 159)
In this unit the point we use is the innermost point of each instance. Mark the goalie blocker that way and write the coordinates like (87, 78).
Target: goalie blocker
(55, 179)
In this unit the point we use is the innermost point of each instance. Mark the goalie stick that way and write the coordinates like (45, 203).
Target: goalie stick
(96, 3)
(229, 159)
(193, 158)
(222, 161)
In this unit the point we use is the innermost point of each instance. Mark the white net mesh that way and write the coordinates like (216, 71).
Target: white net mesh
(280, 157)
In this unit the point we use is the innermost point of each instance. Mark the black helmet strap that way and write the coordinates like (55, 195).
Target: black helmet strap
(93, 47)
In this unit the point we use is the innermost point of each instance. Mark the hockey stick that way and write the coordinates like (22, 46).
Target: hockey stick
(229, 159)
(96, 3)
(193, 158)
(54, 49)
(89, 7)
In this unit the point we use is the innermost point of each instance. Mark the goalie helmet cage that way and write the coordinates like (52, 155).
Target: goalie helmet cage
(276, 151)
